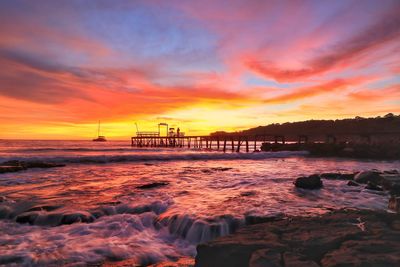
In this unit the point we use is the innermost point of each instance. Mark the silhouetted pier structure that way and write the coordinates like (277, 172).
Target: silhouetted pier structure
(250, 143)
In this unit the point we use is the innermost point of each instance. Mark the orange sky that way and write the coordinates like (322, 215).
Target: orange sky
(202, 66)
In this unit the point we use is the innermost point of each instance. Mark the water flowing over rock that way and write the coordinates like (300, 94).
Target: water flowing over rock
(198, 230)
(362, 238)
(373, 186)
(310, 182)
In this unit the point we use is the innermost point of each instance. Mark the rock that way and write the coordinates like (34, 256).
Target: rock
(368, 176)
(330, 175)
(391, 172)
(152, 185)
(16, 165)
(362, 238)
(5, 169)
(5, 212)
(337, 176)
(347, 176)
(297, 260)
(39, 164)
(310, 182)
(352, 183)
(43, 208)
(265, 258)
(373, 186)
(395, 190)
(27, 217)
(255, 219)
(394, 203)
(83, 216)
(12, 163)
(236, 250)
(248, 193)
(391, 182)
(372, 252)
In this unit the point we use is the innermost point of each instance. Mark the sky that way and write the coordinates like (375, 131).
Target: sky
(199, 65)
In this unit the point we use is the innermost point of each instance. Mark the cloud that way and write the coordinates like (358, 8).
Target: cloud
(385, 30)
(315, 90)
(75, 62)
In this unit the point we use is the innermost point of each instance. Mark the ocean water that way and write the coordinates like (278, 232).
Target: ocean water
(93, 209)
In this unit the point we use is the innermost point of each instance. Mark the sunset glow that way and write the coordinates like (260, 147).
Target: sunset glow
(200, 65)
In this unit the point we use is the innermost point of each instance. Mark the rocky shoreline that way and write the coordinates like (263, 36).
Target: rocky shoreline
(384, 151)
(340, 238)
(346, 237)
(372, 180)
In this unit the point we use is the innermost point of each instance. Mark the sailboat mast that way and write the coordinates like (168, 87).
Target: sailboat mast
(98, 130)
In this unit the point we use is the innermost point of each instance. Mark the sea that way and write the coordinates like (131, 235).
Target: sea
(113, 202)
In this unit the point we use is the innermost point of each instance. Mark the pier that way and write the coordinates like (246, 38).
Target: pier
(251, 143)
(247, 143)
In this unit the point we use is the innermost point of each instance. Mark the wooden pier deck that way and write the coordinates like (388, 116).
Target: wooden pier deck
(223, 143)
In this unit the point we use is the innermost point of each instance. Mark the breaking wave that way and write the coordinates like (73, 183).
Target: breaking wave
(158, 157)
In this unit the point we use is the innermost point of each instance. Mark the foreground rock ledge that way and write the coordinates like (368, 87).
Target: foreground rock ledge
(341, 238)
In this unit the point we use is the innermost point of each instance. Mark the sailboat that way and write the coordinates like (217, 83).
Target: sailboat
(100, 138)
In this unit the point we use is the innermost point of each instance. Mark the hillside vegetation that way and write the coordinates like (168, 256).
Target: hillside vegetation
(388, 124)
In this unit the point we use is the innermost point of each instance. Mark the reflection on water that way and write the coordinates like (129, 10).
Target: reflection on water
(89, 212)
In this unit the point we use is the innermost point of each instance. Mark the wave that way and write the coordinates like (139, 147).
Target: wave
(81, 149)
(157, 157)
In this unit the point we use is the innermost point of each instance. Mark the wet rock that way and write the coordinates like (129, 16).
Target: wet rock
(373, 186)
(12, 260)
(391, 182)
(265, 258)
(352, 183)
(394, 203)
(362, 238)
(16, 165)
(310, 182)
(12, 163)
(5, 169)
(221, 169)
(5, 212)
(391, 172)
(152, 185)
(248, 193)
(77, 217)
(337, 176)
(369, 252)
(39, 164)
(347, 176)
(44, 208)
(395, 190)
(368, 176)
(27, 217)
(330, 175)
(256, 219)
(297, 260)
